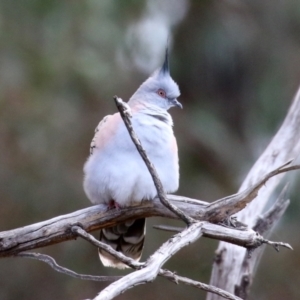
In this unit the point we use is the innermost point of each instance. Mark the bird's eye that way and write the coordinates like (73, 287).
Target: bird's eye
(162, 93)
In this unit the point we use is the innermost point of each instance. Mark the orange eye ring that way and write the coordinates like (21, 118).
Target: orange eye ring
(161, 93)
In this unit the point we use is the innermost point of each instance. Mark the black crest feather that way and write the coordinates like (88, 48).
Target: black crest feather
(165, 68)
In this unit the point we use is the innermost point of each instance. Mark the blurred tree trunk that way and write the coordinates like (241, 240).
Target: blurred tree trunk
(229, 272)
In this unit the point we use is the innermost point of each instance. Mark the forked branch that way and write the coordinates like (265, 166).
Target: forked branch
(58, 229)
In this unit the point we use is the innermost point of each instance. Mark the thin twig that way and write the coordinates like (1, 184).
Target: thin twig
(205, 287)
(264, 225)
(152, 267)
(153, 264)
(265, 222)
(125, 114)
(168, 228)
(124, 259)
(164, 273)
(53, 264)
(276, 245)
(216, 213)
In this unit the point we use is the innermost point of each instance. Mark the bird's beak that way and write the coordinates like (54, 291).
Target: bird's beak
(175, 102)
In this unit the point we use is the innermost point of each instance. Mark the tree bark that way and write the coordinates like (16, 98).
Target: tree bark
(228, 272)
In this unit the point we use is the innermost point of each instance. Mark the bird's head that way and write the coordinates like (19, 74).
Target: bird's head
(159, 89)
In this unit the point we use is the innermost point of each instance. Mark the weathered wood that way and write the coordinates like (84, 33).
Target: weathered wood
(228, 270)
(92, 218)
(153, 264)
(148, 271)
(57, 229)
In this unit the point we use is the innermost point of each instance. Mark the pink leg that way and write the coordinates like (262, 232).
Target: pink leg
(113, 204)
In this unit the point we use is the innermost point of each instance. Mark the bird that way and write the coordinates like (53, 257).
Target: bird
(115, 174)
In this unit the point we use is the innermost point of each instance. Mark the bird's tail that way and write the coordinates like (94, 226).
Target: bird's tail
(127, 238)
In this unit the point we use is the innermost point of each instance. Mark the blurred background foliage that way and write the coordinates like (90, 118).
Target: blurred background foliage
(238, 66)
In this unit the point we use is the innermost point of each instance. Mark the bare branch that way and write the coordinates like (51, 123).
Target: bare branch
(245, 238)
(263, 224)
(269, 219)
(135, 265)
(165, 273)
(152, 267)
(277, 244)
(96, 217)
(168, 228)
(205, 287)
(125, 114)
(57, 229)
(124, 259)
(229, 268)
(53, 264)
(153, 264)
(217, 213)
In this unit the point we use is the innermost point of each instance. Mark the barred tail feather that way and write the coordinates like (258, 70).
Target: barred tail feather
(127, 238)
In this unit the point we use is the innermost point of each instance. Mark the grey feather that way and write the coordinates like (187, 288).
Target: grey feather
(127, 238)
(165, 70)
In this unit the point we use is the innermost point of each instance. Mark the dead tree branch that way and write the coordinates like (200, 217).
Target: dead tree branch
(153, 264)
(124, 259)
(107, 293)
(264, 224)
(96, 217)
(148, 271)
(53, 264)
(205, 287)
(228, 270)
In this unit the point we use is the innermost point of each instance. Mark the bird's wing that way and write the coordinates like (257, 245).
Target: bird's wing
(105, 132)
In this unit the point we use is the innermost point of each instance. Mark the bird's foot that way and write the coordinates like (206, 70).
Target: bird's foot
(112, 204)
